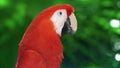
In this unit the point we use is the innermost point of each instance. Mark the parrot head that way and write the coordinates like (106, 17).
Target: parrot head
(62, 18)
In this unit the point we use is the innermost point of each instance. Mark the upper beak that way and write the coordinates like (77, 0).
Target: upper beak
(70, 25)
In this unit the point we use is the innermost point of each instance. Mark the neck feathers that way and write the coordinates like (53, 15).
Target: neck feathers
(43, 39)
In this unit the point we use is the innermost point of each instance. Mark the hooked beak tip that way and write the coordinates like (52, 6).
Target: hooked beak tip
(73, 25)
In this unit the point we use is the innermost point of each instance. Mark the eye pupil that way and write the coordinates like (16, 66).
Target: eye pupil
(60, 13)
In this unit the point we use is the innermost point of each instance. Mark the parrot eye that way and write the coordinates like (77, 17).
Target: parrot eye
(60, 13)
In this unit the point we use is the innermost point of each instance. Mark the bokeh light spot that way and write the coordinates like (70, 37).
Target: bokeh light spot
(115, 23)
(4, 3)
(117, 46)
(117, 57)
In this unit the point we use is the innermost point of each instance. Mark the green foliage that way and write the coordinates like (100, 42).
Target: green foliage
(91, 47)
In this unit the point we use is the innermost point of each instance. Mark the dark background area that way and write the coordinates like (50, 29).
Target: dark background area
(96, 43)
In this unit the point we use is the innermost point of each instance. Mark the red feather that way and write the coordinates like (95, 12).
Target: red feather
(40, 46)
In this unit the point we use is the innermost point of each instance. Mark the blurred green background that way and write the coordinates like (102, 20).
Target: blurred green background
(95, 45)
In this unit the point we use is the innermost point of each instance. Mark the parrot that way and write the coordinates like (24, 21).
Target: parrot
(41, 46)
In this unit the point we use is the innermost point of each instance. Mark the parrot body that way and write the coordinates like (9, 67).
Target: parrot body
(40, 46)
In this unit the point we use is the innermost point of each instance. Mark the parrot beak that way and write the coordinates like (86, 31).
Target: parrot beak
(70, 25)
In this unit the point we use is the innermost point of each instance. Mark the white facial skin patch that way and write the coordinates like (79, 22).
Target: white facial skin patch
(58, 18)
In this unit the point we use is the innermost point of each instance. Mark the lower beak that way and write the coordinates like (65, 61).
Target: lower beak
(70, 25)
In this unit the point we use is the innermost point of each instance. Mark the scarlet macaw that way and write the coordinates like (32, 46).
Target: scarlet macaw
(40, 46)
